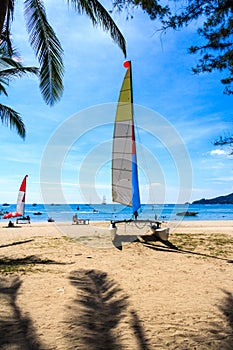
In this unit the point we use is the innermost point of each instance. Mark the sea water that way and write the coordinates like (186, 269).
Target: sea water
(107, 212)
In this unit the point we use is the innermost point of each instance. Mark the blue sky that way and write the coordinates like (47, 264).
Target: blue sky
(67, 150)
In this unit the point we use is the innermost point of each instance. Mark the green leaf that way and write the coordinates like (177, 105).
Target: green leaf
(100, 16)
(11, 118)
(48, 51)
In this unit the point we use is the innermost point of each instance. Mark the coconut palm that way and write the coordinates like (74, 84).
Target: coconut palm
(10, 69)
(45, 43)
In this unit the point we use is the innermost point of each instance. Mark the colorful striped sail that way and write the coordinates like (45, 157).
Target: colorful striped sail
(20, 205)
(21, 197)
(125, 186)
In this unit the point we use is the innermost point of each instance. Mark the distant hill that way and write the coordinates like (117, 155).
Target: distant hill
(228, 199)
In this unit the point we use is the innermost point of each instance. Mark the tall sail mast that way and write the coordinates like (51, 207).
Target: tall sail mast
(125, 187)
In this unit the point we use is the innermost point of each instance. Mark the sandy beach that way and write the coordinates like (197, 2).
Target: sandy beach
(68, 287)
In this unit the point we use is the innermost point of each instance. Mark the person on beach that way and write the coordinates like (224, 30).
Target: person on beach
(10, 224)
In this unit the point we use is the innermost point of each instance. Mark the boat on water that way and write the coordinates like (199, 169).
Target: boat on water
(104, 201)
(20, 204)
(125, 183)
(187, 213)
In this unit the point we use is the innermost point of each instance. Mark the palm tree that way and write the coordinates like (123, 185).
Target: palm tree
(45, 43)
(9, 69)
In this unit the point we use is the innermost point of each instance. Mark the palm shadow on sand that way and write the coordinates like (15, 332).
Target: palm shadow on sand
(219, 338)
(16, 264)
(226, 309)
(100, 307)
(216, 336)
(16, 243)
(16, 331)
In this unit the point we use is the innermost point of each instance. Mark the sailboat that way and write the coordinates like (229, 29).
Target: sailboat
(20, 206)
(104, 201)
(125, 183)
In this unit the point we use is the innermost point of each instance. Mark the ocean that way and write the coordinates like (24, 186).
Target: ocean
(100, 212)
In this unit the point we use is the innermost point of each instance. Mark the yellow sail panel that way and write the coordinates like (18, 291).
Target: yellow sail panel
(124, 108)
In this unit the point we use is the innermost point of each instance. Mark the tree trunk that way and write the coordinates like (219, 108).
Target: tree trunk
(3, 11)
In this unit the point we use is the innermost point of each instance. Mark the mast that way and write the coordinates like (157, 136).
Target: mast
(125, 186)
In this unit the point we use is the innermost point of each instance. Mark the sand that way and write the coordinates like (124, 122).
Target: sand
(61, 293)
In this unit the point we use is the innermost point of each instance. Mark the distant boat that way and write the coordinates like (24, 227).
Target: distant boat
(187, 213)
(34, 204)
(51, 220)
(37, 213)
(20, 206)
(5, 205)
(104, 201)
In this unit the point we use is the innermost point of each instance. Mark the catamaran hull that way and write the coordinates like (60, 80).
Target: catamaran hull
(157, 231)
(161, 233)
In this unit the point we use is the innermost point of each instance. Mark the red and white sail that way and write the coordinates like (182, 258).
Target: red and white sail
(20, 206)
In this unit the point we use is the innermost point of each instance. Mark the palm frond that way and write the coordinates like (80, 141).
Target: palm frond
(10, 69)
(2, 88)
(48, 51)
(6, 44)
(100, 16)
(18, 72)
(3, 14)
(12, 119)
(6, 60)
(6, 17)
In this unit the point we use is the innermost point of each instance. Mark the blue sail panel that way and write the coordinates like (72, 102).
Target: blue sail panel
(135, 185)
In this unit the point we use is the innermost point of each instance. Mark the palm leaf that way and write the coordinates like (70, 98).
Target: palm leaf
(10, 69)
(17, 72)
(48, 51)
(6, 15)
(2, 88)
(11, 118)
(100, 16)
(6, 44)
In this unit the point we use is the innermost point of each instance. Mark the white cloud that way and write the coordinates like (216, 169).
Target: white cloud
(219, 152)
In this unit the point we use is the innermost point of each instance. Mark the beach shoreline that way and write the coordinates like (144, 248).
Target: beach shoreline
(60, 293)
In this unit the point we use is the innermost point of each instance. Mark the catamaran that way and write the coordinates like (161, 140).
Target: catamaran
(125, 183)
(20, 205)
